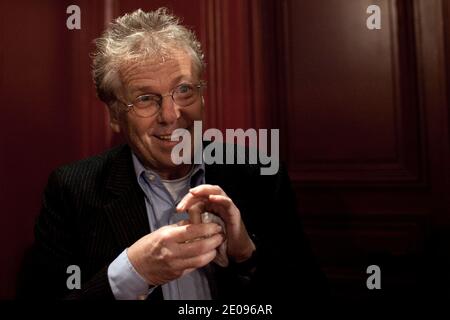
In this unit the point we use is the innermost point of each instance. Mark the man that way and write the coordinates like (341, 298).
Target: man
(121, 216)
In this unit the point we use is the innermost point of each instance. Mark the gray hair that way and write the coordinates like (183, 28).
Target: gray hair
(137, 36)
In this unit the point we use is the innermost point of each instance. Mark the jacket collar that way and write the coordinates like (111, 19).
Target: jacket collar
(126, 207)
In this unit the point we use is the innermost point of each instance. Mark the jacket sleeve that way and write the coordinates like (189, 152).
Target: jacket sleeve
(44, 274)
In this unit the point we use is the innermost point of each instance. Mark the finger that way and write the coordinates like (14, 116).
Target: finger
(181, 204)
(198, 261)
(221, 200)
(183, 222)
(202, 191)
(199, 247)
(195, 212)
(223, 207)
(188, 201)
(206, 190)
(181, 234)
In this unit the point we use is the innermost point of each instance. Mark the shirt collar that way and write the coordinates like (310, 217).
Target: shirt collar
(197, 174)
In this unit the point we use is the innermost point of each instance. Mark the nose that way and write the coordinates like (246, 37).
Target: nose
(169, 112)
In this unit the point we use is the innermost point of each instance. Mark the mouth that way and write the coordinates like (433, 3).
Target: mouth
(165, 137)
(164, 141)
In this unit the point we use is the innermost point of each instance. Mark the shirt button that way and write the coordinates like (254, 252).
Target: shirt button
(151, 177)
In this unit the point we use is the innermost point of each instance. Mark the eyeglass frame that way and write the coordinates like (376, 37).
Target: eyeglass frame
(130, 106)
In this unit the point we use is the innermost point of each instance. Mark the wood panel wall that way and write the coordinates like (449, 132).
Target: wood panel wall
(363, 117)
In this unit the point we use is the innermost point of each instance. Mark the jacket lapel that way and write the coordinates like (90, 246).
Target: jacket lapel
(126, 206)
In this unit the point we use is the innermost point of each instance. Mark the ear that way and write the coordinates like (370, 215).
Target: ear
(114, 118)
(115, 126)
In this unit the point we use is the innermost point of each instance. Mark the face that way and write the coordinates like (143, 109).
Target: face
(148, 136)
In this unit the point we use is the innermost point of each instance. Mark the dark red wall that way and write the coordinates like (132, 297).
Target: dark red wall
(40, 126)
(363, 115)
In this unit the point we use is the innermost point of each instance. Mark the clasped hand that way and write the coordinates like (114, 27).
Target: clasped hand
(175, 250)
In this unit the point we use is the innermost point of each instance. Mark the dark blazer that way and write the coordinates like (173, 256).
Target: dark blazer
(93, 209)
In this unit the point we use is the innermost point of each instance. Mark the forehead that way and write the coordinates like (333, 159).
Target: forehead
(157, 70)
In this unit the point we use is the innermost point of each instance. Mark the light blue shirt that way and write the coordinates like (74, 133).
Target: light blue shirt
(125, 282)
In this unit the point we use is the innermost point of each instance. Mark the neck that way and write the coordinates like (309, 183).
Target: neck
(174, 173)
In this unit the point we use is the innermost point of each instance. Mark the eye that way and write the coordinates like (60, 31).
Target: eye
(146, 100)
(184, 89)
